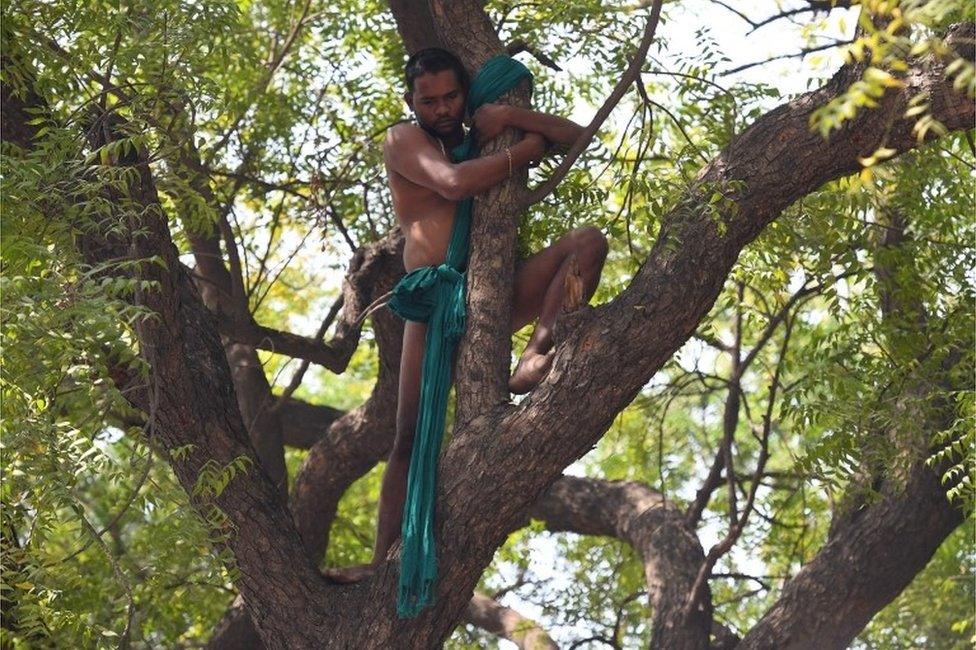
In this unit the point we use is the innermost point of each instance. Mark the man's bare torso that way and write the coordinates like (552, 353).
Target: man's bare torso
(425, 217)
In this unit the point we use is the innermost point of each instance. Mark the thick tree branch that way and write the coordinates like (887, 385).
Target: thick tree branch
(505, 622)
(656, 529)
(763, 170)
(415, 24)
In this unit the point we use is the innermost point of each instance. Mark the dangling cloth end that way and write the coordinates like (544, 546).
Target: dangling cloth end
(409, 604)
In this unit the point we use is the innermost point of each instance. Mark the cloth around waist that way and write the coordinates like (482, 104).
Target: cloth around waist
(434, 295)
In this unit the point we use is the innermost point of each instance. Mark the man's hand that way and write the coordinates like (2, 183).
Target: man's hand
(539, 146)
(489, 121)
(555, 129)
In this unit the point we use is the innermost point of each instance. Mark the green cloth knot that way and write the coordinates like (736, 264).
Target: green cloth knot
(448, 274)
(436, 295)
(433, 292)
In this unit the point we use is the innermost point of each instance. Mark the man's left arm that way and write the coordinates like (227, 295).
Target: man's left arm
(561, 132)
(491, 119)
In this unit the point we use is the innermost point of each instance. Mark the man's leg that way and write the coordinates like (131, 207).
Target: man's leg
(394, 487)
(538, 293)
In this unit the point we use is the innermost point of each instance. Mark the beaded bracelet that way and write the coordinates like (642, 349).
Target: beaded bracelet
(509, 153)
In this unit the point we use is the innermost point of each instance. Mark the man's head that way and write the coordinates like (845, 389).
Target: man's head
(437, 87)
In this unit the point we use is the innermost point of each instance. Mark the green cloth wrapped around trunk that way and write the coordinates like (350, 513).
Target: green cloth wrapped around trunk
(436, 295)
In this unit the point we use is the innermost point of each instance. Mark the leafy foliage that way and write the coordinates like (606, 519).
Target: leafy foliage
(872, 275)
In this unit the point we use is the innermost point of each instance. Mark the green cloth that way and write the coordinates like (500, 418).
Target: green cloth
(436, 295)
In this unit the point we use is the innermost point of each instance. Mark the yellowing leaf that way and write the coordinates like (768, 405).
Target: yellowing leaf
(885, 78)
(916, 110)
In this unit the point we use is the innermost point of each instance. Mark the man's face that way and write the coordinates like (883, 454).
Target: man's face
(438, 101)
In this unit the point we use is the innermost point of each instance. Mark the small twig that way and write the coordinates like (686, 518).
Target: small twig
(731, 415)
(124, 640)
(520, 580)
(723, 89)
(813, 7)
(341, 227)
(633, 71)
(296, 379)
(803, 52)
(273, 66)
(745, 576)
(738, 13)
(965, 162)
(677, 123)
(377, 304)
(519, 45)
(735, 531)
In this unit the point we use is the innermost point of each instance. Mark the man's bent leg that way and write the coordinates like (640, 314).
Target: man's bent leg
(538, 292)
(394, 487)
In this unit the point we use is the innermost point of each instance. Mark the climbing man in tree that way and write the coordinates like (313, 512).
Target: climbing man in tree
(426, 186)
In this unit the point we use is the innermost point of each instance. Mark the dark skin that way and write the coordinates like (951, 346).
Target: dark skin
(425, 186)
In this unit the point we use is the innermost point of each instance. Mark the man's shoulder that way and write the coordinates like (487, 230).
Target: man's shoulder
(403, 133)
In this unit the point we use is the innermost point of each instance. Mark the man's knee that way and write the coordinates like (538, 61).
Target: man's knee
(591, 240)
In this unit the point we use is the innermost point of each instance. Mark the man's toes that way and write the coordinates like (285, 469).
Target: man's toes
(529, 372)
(336, 575)
(333, 575)
(516, 384)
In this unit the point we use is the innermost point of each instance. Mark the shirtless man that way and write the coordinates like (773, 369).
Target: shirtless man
(425, 186)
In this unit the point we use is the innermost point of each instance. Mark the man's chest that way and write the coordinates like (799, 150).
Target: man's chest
(412, 201)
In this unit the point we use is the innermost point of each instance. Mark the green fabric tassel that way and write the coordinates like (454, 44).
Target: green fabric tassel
(436, 295)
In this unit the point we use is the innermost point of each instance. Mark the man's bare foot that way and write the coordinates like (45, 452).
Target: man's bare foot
(348, 574)
(531, 369)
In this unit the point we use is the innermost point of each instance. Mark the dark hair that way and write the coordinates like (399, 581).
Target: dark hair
(434, 59)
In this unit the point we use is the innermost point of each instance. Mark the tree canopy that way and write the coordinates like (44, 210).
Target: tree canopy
(759, 434)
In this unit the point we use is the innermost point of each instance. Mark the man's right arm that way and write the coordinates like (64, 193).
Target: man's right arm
(410, 153)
